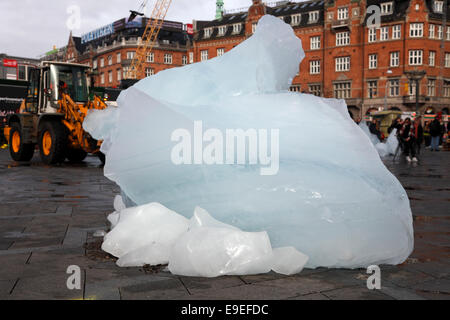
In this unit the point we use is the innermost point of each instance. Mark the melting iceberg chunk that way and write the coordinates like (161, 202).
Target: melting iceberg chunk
(332, 198)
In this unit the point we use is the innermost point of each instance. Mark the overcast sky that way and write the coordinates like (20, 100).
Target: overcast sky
(29, 28)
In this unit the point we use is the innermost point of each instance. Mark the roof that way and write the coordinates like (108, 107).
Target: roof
(285, 10)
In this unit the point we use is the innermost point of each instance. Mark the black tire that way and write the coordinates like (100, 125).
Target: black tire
(56, 153)
(102, 157)
(25, 151)
(76, 155)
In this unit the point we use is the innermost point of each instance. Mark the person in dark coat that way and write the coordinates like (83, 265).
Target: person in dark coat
(408, 140)
(417, 134)
(436, 133)
(374, 130)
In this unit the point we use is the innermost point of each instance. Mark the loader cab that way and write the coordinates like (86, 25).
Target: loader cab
(49, 81)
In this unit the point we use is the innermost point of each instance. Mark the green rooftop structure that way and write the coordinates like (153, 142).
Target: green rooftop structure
(219, 9)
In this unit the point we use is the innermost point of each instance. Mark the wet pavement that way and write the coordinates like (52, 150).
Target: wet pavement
(48, 216)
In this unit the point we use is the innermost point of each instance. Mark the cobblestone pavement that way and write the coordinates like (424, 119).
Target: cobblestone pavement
(48, 214)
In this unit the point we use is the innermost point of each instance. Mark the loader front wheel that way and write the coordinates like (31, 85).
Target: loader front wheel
(52, 142)
(76, 155)
(19, 151)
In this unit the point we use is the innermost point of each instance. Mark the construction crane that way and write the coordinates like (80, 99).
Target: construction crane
(149, 37)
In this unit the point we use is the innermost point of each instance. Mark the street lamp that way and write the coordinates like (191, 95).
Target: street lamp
(385, 90)
(416, 76)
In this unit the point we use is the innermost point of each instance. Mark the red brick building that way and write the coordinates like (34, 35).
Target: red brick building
(346, 57)
(110, 50)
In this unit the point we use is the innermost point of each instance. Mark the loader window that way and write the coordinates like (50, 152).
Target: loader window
(70, 79)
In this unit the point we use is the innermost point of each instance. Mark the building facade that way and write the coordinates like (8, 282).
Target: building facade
(16, 68)
(360, 51)
(110, 50)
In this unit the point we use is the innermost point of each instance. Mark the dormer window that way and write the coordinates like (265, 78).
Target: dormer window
(313, 16)
(387, 8)
(222, 30)
(237, 27)
(208, 32)
(438, 6)
(295, 19)
(342, 13)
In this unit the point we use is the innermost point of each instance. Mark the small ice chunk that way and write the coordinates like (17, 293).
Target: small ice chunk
(288, 260)
(147, 225)
(118, 203)
(211, 249)
(113, 218)
(153, 254)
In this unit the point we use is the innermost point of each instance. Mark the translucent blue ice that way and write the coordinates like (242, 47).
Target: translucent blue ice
(332, 198)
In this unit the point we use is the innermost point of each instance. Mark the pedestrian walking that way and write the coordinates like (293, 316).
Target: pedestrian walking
(436, 133)
(408, 138)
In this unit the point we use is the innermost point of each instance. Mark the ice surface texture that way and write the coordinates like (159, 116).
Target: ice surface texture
(332, 198)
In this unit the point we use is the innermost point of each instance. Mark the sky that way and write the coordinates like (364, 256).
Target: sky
(30, 28)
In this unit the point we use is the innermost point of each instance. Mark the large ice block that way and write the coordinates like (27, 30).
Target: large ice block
(332, 198)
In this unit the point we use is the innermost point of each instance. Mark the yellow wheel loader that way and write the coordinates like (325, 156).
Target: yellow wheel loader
(52, 115)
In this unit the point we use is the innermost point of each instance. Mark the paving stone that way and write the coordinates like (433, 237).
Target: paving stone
(53, 287)
(196, 285)
(6, 287)
(167, 289)
(356, 293)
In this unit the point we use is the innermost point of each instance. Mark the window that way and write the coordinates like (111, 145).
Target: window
(150, 57)
(184, 60)
(397, 31)
(432, 59)
(237, 27)
(102, 63)
(254, 24)
(222, 30)
(447, 60)
(295, 88)
(125, 72)
(149, 72)
(167, 58)
(220, 52)
(315, 89)
(438, 6)
(119, 75)
(373, 61)
(342, 38)
(313, 16)
(431, 87)
(109, 60)
(446, 88)
(372, 89)
(395, 59)
(342, 64)
(416, 30)
(204, 55)
(119, 57)
(314, 67)
(342, 90)
(440, 32)
(387, 8)
(295, 19)
(431, 33)
(131, 55)
(22, 73)
(412, 88)
(394, 88)
(94, 64)
(191, 57)
(110, 76)
(448, 33)
(315, 43)
(207, 32)
(415, 57)
(384, 33)
(342, 13)
(372, 35)
(102, 78)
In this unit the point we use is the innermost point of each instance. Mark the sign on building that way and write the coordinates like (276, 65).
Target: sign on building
(99, 33)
